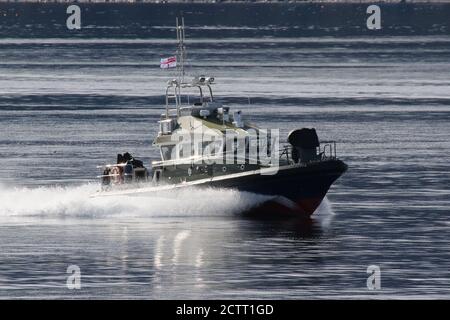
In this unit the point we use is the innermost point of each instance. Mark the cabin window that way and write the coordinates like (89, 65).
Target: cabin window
(186, 150)
(214, 147)
(166, 152)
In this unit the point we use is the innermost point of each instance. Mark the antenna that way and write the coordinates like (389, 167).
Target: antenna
(181, 50)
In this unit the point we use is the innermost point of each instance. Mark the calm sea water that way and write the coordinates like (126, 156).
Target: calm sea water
(72, 101)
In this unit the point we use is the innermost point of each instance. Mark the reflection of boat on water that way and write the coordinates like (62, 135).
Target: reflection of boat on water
(203, 143)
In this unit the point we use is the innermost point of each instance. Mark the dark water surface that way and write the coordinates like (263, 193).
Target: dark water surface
(71, 101)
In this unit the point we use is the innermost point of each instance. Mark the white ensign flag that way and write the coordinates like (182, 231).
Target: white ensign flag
(170, 62)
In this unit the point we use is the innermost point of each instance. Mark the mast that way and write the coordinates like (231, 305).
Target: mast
(181, 50)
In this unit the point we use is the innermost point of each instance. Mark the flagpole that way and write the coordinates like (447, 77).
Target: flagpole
(181, 50)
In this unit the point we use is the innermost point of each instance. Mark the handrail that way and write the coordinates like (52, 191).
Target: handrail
(325, 151)
(174, 91)
(331, 147)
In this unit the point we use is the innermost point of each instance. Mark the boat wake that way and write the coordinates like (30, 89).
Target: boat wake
(76, 201)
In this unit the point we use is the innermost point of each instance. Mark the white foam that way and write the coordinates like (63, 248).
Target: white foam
(75, 201)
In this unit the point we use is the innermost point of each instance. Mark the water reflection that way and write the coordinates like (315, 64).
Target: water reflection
(178, 256)
(293, 226)
(236, 250)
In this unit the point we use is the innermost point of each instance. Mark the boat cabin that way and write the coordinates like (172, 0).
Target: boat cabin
(191, 105)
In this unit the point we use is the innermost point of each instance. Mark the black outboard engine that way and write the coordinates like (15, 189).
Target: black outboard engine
(304, 142)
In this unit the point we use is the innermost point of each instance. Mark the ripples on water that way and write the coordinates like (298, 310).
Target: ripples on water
(67, 105)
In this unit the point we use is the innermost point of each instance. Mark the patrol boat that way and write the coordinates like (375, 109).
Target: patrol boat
(205, 144)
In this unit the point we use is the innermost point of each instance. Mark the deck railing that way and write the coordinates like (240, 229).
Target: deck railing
(325, 151)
